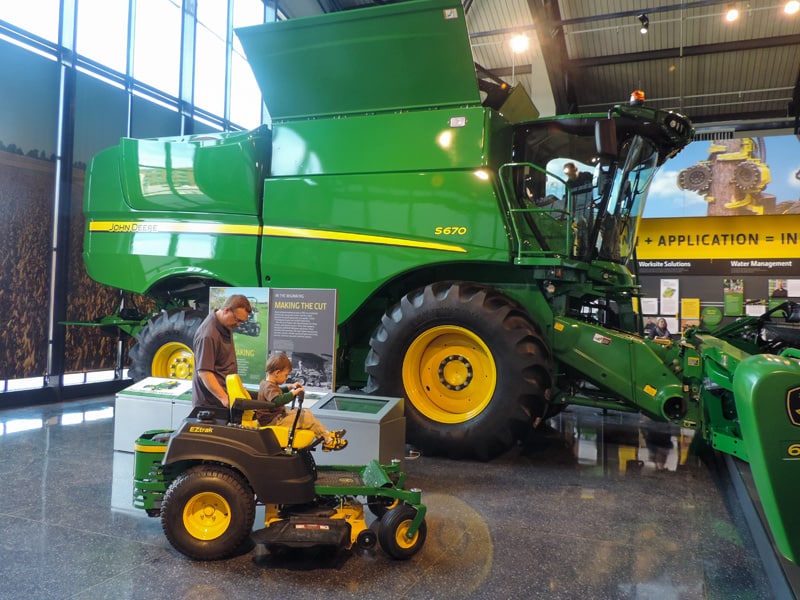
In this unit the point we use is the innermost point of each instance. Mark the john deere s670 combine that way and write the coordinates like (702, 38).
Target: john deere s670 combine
(472, 280)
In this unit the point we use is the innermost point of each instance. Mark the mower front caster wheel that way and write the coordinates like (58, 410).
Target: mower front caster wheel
(393, 533)
(367, 539)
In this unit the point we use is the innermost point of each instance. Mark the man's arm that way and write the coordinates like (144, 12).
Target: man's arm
(212, 385)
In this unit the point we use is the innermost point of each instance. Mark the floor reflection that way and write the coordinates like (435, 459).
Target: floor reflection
(52, 415)
(621, 443)
(592, 505)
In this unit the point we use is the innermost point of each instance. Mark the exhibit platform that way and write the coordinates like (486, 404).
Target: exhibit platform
(590, 506)
(376, 425)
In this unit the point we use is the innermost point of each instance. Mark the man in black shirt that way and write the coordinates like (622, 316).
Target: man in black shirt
(214, 352)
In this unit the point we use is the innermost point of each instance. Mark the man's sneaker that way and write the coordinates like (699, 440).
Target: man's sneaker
(338, 433)
(335, 443)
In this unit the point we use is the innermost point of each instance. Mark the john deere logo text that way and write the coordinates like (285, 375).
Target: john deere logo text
(793, 406)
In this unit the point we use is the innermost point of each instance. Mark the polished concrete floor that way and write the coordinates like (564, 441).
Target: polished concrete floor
(594, 507)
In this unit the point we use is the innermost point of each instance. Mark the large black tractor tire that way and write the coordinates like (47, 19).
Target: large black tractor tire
(163, 347)
(473, 368)
(207, 512)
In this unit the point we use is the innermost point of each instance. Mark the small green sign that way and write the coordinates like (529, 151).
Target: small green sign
(711, 316)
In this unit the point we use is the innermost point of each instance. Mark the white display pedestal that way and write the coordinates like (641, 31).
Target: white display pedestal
(152, 403)
(376, 425)
(376, 428)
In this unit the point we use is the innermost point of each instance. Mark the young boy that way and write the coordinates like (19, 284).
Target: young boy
(273, 391)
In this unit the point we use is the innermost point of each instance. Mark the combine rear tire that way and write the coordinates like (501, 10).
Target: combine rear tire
(164, 346)
(207, 512)
(473, 367)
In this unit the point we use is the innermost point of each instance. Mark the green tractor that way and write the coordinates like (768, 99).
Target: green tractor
(205, 479)
(474, 278)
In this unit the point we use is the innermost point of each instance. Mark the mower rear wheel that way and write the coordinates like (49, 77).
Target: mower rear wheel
(393, 531)
(207, 512)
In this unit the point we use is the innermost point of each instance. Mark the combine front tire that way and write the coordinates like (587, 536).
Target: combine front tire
(471, 364)
(164, 346)
(208, 512)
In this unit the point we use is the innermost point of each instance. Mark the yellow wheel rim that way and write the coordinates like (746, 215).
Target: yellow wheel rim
(207, 516)
(449, 374)
(402, 540)
(173, 360)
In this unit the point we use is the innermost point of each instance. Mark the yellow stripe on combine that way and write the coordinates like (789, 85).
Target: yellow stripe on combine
(171, 227)
(269, 231)
(359, 238)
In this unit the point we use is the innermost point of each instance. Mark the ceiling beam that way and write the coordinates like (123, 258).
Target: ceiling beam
(509, 71)
(546, 15)
(699, 50)
(635, 13)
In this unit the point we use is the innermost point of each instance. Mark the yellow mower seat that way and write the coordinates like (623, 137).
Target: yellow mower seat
(237, 391)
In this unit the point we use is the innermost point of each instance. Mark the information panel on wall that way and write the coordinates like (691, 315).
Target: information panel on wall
(299, 322)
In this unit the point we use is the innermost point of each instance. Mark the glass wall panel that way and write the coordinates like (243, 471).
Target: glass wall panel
(213, 15)
(28, 122)
(150, 119)
(28, 137)
(101, 117)
(101, 114)
(209, 75)
(157, 44)
(40, 17)
(102, 32)
(246, 103)
(203, 127)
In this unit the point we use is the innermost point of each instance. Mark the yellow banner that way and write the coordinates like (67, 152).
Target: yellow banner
(756, 237)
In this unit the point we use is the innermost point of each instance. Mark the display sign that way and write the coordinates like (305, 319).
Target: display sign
(755, 240)
(299, 322)
(250, 337)
(302, 323)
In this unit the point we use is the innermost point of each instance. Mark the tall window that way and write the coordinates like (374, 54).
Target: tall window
(102, 33)
(210, 55)
(157, 44)
(246, 104)
(137, 90)
(40, 17)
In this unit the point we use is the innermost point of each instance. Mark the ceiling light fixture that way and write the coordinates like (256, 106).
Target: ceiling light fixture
(792, 7)
(645, 23)
(732, 13)
(520, 43)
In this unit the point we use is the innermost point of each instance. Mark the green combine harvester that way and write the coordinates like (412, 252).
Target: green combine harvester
(472, 280)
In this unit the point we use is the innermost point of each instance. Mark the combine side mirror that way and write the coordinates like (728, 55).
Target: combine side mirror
(605, 139)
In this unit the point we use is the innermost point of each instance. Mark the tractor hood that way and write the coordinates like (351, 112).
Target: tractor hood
(401, 56)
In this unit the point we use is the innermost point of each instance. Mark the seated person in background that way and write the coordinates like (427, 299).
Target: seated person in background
(537, 198)
(649, 328)
(780, 290)
(272, 391)
(661, 330)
